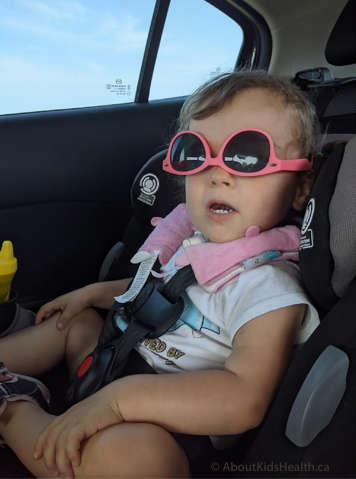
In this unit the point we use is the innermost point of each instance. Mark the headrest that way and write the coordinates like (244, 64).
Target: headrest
(155, 192)
(341, 46)
(328, 244)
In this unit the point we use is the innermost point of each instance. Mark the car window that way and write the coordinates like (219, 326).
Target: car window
(198, 42)
(58, 54)
(70, 53)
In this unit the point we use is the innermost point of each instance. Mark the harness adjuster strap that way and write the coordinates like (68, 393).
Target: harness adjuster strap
(122, 347)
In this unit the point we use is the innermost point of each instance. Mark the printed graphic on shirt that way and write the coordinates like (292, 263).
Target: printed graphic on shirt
(193, 318)
(190, 317)
(158, 346)
(170, 354)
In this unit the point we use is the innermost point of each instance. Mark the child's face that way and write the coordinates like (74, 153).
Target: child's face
(261, 201)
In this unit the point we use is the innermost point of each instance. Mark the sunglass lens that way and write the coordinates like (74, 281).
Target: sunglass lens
(247, 152)
(187, 153)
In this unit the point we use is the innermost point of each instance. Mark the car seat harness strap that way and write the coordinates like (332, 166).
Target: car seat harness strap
(149, 315)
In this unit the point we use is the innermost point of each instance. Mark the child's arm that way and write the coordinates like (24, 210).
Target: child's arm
(98, 295)
(227, 401)
(102, 294)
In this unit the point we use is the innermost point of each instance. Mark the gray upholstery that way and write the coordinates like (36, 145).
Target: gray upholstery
(342, 215)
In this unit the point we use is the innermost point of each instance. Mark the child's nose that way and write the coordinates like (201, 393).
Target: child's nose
(218, 176)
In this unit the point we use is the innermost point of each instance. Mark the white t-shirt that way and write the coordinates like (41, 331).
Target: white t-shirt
(202, 337)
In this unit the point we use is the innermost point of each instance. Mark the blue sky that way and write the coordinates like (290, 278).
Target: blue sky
(65, 53)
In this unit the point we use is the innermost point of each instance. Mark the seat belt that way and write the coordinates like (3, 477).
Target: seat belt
(149, 315)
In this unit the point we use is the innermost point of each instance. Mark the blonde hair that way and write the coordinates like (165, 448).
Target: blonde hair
(214, 94)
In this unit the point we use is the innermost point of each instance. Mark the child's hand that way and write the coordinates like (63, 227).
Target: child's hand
(67, 306)
(59, 443)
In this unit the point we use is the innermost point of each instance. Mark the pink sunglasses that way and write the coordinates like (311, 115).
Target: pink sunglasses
(247, 152)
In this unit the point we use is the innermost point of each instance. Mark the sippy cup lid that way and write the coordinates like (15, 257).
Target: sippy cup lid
(8, 262)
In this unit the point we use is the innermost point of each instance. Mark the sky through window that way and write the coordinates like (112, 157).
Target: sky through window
(74, 53)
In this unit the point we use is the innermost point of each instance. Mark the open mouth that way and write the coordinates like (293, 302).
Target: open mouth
(221, 208)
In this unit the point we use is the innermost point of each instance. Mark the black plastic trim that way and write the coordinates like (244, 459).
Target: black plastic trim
(341, 46)
(150, 55)
(256, 50)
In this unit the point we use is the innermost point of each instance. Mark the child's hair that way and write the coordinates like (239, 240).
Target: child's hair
(214, 94)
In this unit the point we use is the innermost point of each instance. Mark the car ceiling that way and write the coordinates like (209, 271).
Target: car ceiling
(300, 30)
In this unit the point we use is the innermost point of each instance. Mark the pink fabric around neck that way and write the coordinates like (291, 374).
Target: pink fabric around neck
(211, 260)
(169, 233)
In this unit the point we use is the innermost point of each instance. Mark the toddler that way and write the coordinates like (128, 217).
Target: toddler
(244, 148)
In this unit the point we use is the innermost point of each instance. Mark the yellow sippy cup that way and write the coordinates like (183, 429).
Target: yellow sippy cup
(8, 268)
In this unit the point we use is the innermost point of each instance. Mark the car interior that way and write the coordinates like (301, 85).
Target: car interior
(77, 197)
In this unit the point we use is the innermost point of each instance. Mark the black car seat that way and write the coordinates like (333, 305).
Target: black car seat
(317, 389)
(316, 402)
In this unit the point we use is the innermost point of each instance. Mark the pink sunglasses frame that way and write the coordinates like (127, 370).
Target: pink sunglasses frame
(274, 164)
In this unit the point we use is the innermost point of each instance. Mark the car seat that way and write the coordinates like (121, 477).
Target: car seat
(316, 392)
(315, 402)
(311, 425)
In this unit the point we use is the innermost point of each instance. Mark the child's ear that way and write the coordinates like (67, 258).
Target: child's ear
(303, 190)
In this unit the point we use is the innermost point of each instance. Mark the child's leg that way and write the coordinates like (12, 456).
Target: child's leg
(37, 349)
(133, 450)
(20, 426)
(126, 450)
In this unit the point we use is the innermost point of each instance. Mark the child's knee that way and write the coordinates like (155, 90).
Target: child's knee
(86, 319)
(134, 450)
(164, 457)
(85, 326)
